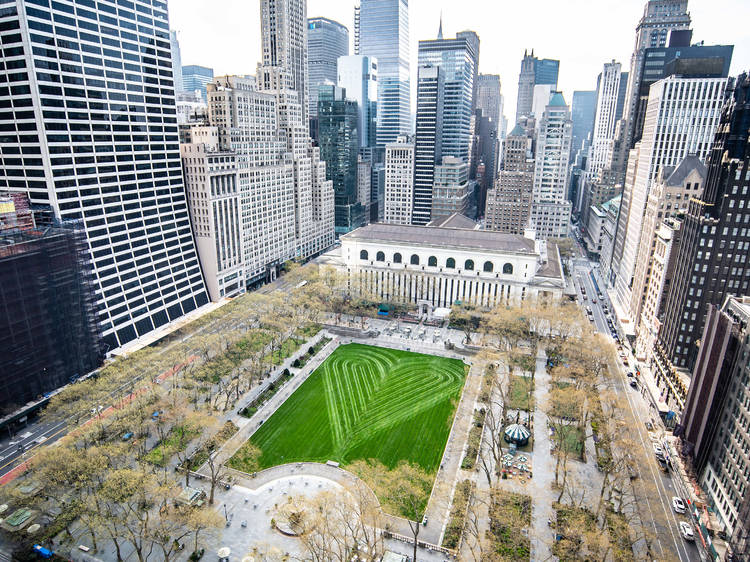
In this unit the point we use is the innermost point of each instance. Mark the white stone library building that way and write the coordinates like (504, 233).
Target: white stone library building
(443, 266)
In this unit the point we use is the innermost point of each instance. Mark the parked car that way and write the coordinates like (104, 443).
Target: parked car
(686, 531)
(658, 451)
(630, 375)
(633, 384)
(678, 505)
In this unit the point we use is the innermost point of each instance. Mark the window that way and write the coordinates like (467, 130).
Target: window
(432, 261)
(415, 259)
(397, 258)
(380, 257)
(508, 269)
(469, 265)
(488, 267)
(363, 255)
(450, 263)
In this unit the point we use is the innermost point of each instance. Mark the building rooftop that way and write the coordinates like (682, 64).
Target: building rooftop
(518, 131)
(612, 203)
(677, 176)
(740, 306)
(551, 268)
(557, 100)
(456, 220)
(444, 237)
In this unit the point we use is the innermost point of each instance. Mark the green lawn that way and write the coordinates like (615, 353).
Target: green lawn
(366, 402)
(518, 393)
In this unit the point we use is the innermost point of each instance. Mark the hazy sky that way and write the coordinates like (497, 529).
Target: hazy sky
(582, 34)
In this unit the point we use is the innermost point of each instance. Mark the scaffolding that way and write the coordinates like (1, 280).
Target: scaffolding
(49, 332)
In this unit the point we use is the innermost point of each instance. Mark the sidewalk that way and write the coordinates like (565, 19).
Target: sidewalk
(540, 486)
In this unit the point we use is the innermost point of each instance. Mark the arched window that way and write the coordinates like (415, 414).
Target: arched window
(397, 258)
(415, 259)
(432, 261)
(508, 269)
(488, 267)
(450, 263)
(380, 256)
(469, 265)
(363, 255)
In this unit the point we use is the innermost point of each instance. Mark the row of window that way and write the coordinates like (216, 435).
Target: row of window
(432, 261)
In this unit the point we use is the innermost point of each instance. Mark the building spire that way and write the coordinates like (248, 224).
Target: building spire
(440, 30)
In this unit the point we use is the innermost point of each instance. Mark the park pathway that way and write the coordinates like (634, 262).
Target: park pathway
(540, 487)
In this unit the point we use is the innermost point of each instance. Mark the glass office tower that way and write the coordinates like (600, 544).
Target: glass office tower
(327, 40)
(458, 60)
(382, 32)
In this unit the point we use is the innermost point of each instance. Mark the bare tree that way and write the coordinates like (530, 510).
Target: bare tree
(217, 472)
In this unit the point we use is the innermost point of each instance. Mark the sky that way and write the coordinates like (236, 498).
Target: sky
(582, 34)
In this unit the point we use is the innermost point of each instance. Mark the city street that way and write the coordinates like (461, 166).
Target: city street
(26, 441)
(654, 488)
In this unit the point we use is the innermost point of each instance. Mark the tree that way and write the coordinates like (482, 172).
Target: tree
(564, 415)
(508, 326)
(216, 471)
(403, 491)
(565, 246)
(201, 521)
(341, 524)
(189, 425)
(474, 533)
(466, 319)
(491, 452)
(130, 496)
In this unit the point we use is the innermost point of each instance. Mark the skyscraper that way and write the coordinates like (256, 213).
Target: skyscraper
(489, 97)
(283, 73)
(382, 27)
(458, 60)
(327, 40)
(106, 154)
(338, 119)
(509, 202)
(358, 74)
(428, 139)
(398, 197)
(488, 133)
(452, 188)
(712, 262)
(176, 61)
(534, 72)
(598, 184)
(713, 427)
(583, 113)
(550, 209)
(196, 77)
(693, 105)
(284, 47)
(546, 71)
(668, 198)
(603, 136)
(659, 17)
(678, 58)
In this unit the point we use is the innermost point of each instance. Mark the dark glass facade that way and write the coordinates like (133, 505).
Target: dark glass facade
(338, 120)
(49, 333)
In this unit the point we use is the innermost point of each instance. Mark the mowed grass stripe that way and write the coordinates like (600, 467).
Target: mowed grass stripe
(367, 402)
